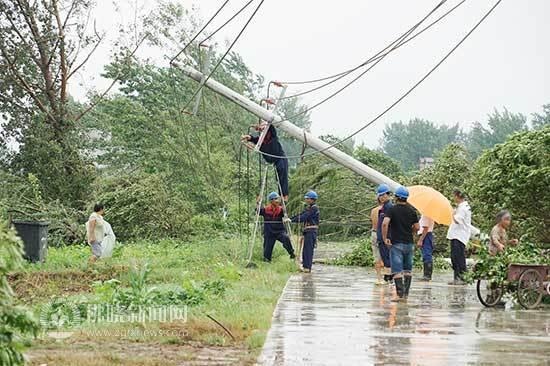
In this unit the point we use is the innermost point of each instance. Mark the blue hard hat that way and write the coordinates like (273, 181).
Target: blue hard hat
(311, 194)
(382, 189)
(273, 196)
(402, 192)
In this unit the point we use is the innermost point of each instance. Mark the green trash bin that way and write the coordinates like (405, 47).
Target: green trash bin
(35, 239)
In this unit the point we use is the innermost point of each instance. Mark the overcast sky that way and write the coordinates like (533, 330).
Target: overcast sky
(503, 64)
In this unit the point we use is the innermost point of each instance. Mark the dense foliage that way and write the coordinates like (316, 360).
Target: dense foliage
(499, 126)
(345, 198)
(515, 175)
(15, 321)
(495, 268)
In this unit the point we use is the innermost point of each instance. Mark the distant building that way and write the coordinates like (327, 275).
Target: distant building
(425, 163)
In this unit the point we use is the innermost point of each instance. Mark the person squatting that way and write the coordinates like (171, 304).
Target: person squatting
(274, 228)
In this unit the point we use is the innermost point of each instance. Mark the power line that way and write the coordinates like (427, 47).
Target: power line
(342, 74)
(403, 96)
(200, 31)
(223, 56)
(226, 23)
(308, 109)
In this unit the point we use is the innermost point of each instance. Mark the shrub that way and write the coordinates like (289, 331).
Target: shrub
(15, 321)
(515, 175)
(144, 206)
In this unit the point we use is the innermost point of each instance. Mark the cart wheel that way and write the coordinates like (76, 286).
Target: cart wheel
(530, 288)
(489, 293)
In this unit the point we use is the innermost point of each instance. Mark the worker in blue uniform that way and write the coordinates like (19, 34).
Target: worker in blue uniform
(310, 218)
(274, 229)
(274, 154)
(383, 194)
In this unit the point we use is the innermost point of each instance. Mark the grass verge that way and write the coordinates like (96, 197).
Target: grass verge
(242, 301)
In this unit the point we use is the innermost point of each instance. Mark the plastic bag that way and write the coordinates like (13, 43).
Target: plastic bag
(109, 241)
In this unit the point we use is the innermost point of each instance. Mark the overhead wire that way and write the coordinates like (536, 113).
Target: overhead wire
(403, 96)
(377, 56)
(203, 82)
(200, 31)
(393, 48)
(312, 81)
(226, 23)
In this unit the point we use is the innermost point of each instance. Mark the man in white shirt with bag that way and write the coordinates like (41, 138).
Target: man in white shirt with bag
(459, 234)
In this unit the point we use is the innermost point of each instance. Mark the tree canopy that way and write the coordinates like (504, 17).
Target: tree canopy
(419, 138)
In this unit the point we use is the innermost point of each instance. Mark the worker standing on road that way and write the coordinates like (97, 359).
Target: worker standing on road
(310, 218)
(426, 243)
(276, 155)
(274, 229)
(378, 264)
(401, 221)
(383, 194)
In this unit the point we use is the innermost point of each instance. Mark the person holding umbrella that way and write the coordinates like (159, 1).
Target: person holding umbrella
(426, 244)
(434, 207)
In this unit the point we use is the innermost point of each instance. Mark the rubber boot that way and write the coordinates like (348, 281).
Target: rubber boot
(428, 268)
(455, 279)
(407, 286)
(399, 289)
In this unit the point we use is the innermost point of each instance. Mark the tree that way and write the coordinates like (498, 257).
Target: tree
(379, 161)
(408, 142)
(345, 197)
(43, 45)
(542, 120)
(500, 126)
(15, 321)
(515, 175)
(451, 170)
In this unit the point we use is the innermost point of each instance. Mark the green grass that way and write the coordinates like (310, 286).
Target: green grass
(245, 307)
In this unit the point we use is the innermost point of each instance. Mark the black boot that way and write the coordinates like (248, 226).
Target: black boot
(399, 289)
(430, 266)
(407, 286)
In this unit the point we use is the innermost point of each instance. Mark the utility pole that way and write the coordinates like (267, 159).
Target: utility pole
(298, 133)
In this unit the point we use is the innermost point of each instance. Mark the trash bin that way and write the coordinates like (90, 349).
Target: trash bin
(35, 239)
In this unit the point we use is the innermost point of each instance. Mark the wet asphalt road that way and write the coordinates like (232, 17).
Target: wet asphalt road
(337, 316)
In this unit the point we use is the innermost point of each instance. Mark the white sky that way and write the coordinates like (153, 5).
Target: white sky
(504, 63)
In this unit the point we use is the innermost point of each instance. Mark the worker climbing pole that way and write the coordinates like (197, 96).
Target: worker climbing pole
(267, 140)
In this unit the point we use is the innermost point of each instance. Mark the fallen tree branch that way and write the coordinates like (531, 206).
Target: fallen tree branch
(221, 325)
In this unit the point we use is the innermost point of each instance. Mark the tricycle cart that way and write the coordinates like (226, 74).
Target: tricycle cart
(530, 281)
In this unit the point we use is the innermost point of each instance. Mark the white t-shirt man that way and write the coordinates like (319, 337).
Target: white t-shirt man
(461, 227)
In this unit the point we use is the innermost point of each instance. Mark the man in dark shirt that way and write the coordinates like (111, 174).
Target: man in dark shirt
(275, 154)
(401, 221)
(274, 229)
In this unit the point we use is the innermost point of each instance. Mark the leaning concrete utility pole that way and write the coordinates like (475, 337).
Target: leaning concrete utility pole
(293, 130)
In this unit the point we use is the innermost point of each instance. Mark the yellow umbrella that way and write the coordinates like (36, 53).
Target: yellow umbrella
(431, 203)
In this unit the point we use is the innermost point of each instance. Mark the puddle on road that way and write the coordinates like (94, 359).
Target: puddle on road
(337, 316)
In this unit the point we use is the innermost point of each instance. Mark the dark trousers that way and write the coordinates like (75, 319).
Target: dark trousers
(310, 239)
(384, 254)
(281, 165)
(428, 248)
(458, 258)
(269, 244)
